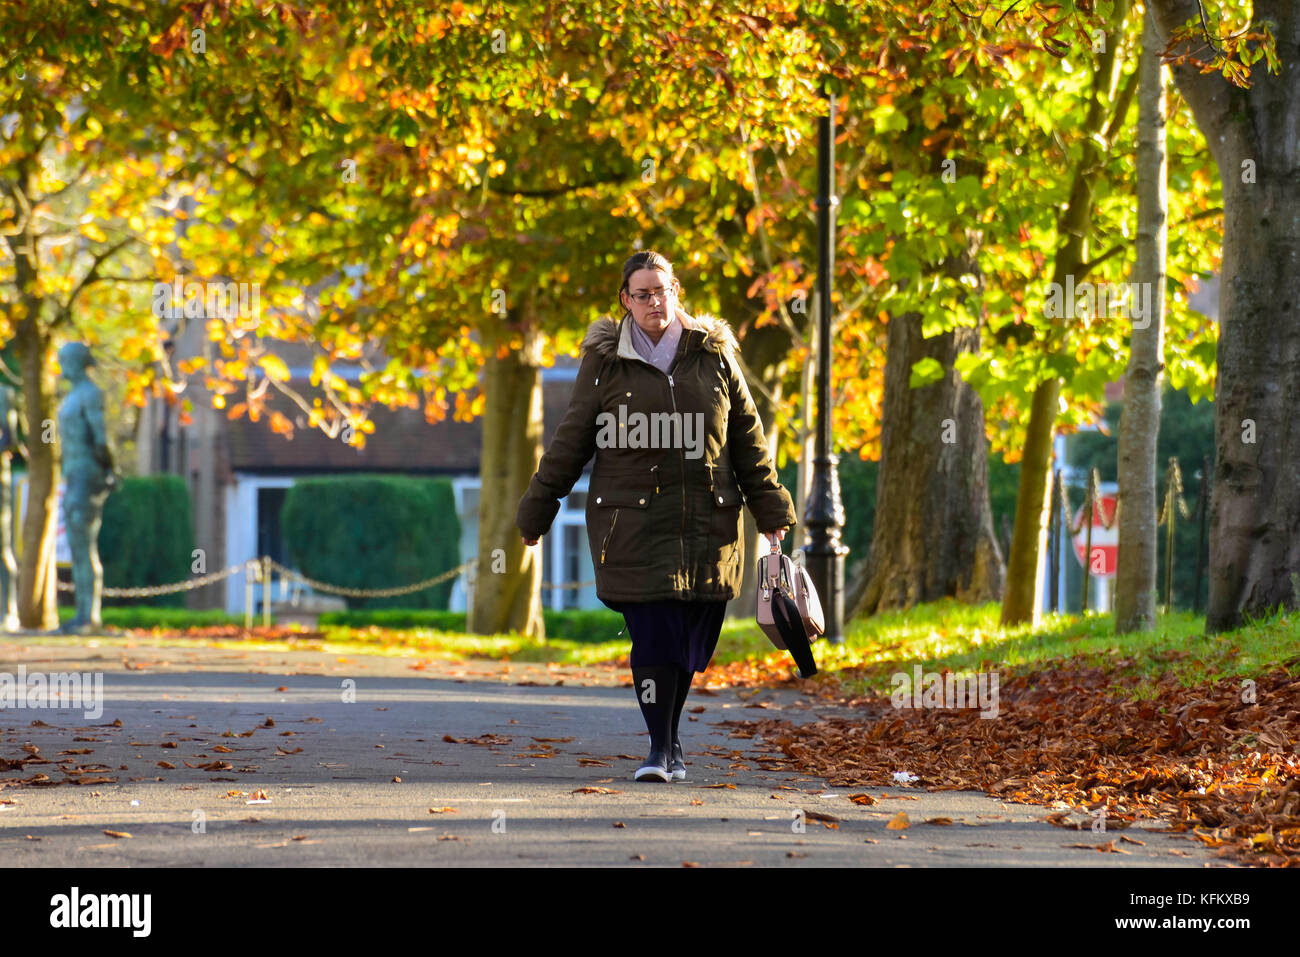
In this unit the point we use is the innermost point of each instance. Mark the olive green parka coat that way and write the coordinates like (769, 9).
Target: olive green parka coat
(677, 455)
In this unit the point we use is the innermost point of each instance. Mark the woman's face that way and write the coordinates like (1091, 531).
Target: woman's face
(656, 314)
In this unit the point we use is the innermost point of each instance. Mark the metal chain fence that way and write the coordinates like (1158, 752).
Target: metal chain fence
(151, 591)
(365, 592)
(259, 570)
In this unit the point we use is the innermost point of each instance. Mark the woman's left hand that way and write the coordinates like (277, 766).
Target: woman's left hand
(779, 534)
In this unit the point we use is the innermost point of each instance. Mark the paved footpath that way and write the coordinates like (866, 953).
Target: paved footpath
(539, 774)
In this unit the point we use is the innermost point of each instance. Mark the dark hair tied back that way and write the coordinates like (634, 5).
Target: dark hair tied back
(645, 259)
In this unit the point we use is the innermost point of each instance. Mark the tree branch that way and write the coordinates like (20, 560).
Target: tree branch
(66, 186)
(89, 279)
(1227, 124)
(782, 316)
(1122, 103)
(1088, 267)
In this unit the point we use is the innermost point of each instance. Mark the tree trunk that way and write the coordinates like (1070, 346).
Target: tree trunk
(509, 574)
(1020, 603)
(1255, 510)
(933, 533)
(37, 594)
(1135, 577)
(1255, 504)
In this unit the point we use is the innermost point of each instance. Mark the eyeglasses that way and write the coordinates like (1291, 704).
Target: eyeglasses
(644, 297)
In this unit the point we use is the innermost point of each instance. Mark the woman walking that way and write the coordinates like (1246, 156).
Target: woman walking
(661, 403)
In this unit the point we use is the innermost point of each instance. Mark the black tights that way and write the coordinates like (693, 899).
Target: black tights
(684, 678)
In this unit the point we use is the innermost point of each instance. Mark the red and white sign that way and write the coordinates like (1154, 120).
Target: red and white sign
(1104, 558)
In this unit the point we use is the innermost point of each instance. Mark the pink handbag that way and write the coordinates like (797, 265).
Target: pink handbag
(787, 608)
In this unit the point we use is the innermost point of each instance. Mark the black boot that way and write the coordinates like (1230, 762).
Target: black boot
(656, 692)
(677, 759)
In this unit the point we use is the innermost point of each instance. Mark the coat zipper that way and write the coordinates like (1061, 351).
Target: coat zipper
(681, 532)
(605, 543)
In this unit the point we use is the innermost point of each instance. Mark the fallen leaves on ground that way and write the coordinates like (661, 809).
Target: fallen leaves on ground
(487, 740)
(1197, 758)
(819, 816)
(1107, 848)
(899, 822)
(290, 633)
(593, 790)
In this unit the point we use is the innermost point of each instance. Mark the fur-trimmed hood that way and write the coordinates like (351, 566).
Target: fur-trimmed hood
(603, 335)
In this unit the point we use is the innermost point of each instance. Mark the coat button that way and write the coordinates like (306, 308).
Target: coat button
(629, 395)
(642, 501)
(598, 499)
(719, 499)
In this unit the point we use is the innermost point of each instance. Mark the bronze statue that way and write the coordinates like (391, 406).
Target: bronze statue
(89, 476)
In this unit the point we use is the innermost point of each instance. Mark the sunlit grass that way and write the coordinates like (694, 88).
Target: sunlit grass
(969, 639)
(937, 635)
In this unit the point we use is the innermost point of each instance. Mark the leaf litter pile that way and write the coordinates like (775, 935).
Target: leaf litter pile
(1199, 759)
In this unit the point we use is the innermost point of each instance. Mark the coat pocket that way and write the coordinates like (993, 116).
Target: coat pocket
(622, 523)
(725, 528)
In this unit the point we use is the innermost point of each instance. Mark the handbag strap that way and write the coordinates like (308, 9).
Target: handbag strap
(791, 628)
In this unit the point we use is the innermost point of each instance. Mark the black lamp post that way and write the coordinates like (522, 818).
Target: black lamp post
(824, 511)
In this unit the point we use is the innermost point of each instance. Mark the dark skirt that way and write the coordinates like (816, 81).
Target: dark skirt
(672, 632)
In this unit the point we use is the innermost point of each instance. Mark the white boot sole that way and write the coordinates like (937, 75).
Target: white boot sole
(653, 773)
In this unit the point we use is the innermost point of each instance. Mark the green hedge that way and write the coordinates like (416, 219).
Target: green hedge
(145, 616)
(147, 537)
(374, 531)
(396, 618)
(597, 624)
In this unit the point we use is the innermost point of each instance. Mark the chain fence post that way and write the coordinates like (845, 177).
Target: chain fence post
(266, 591)
(1087, 548)
(248, 594)
(1171, 492)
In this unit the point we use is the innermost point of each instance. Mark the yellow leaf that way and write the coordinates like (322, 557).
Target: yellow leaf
(274, 367)
(899, 822)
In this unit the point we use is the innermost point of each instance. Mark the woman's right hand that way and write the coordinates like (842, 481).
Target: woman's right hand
(532, 542)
